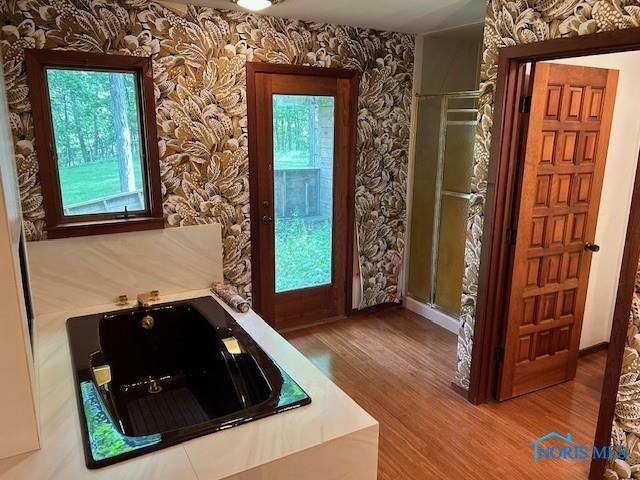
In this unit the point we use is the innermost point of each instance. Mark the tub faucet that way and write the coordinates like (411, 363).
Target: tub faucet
(148, 298)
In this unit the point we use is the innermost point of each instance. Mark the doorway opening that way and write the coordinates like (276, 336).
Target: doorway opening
(302, 128)
(559, 183)
(560, 246)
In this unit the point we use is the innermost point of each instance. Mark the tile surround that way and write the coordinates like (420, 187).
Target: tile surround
(80, 272)
(331, 438)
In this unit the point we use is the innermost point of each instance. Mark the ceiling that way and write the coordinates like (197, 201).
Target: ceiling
(410, 16)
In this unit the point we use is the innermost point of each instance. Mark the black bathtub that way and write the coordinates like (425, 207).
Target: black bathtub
(148, 378)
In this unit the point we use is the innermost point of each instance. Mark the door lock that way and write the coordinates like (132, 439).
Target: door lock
(592, 247)
(267, 219)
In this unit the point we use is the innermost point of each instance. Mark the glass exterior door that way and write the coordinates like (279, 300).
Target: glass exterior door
(441, 192)
(302, 138)
(303, 142)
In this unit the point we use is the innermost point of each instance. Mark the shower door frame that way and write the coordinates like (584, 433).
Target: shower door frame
(438, 191)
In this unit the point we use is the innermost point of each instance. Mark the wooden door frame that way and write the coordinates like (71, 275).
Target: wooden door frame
(254, 68)
(501, 194)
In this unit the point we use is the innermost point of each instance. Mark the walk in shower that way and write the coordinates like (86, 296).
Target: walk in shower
(445, 133)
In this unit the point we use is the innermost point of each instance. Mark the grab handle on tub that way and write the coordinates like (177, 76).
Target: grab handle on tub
(101, 375)
(100, 369)
(232, 345)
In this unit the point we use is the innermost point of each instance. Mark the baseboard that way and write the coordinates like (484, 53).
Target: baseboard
(373, 309)
(302, 326)
(353, 313)
(432, 314)
(598, 347)
(460, 390)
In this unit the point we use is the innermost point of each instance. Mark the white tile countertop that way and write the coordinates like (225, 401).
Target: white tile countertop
(332, 438)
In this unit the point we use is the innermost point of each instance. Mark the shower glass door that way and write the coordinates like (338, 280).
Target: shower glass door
(442, 186)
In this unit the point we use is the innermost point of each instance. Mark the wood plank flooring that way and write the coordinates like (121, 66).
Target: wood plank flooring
(398, 366)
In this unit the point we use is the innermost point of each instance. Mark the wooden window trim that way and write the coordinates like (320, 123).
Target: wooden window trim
(57, 224)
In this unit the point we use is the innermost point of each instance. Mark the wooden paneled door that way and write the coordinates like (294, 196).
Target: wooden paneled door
(302, 144)
(554, 225)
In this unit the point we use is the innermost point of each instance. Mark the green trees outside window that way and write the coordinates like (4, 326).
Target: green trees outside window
(96, 124)
(303, 133)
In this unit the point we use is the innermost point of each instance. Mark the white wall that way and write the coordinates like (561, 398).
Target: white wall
(450, 60)
(622, 159)
(80, 272)
(17, 403)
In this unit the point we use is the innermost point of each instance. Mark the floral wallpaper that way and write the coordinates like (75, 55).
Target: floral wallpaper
(199, 57)
(511, 22)
(626, 423)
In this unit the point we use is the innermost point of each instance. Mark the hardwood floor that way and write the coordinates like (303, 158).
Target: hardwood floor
(398, 366)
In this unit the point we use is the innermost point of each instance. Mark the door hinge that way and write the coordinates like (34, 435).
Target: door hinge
(525, 104)
(499, 353)
(511, 236)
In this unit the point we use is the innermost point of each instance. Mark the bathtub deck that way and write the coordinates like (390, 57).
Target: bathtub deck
(330, 438)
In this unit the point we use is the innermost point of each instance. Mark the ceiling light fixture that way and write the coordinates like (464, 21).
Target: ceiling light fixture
(255, 5)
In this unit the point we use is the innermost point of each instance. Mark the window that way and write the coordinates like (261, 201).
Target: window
(95, 129)
(303, 153)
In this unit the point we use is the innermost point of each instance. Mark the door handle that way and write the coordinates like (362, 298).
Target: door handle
(267, 219)
(592, 247)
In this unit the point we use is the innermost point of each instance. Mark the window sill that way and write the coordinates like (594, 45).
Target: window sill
(103, 227)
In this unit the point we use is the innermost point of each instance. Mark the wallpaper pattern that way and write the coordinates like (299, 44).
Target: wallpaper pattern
(626, 423)
(199, 57)
(510, 22)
